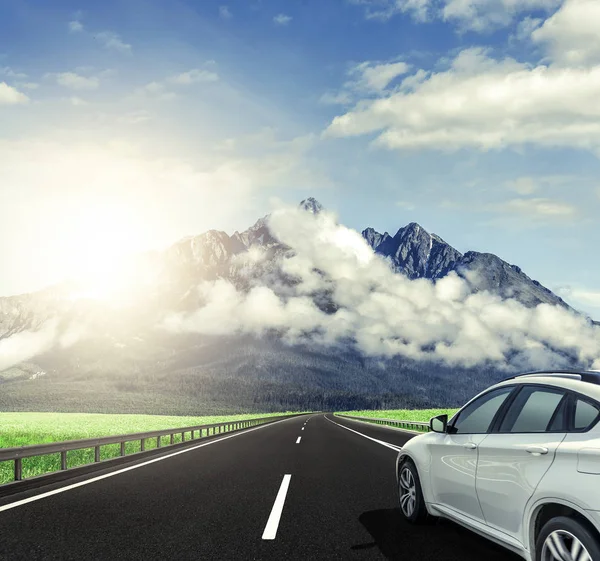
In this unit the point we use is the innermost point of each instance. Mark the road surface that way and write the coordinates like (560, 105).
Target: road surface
(304, 488)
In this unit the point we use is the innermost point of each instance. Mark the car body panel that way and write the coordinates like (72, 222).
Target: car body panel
(452, 474)
(564, 481)
(507, 476)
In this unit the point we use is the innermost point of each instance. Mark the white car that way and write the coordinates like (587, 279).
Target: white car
(518, 464)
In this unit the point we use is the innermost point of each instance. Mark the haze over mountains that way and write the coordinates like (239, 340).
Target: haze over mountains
(295, 312)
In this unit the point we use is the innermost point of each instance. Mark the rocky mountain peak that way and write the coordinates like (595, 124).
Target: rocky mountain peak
(311, 205)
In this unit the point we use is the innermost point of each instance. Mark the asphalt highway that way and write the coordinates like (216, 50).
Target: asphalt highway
(304, 488)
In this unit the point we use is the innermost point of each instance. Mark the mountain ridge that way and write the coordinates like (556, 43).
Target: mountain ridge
(416, 253)
(122, 362)
(412, 251)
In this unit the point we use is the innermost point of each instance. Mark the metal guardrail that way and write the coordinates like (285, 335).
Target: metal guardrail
(196, 432)
(409, 425)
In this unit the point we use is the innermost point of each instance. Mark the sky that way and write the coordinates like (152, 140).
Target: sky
(126, 125)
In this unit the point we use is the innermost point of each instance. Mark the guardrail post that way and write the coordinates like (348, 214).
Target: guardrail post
(171, 438)
(183, 437)
(18, 469)
(193, 434)
(122, 451)
(63, 460)
(158, 441)
(97, 454)
(142, 444)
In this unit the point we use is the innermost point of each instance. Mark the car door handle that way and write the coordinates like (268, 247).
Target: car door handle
(471, 445)
(537, 450)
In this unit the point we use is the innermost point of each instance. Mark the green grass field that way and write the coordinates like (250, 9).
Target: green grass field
(23, 429)
(420, 415)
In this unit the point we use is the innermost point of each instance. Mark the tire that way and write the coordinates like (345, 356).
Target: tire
(564, 531)
(412, 504)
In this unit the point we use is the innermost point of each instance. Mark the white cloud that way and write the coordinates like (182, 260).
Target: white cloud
(584, 298)
(225, 12)
(486, 15)
(77, 101)
(473, 15)
(591, 297)
(333, 98)
(386, 314)
(571, 35)
(75, 26)
(540, 207)
(526, 27)
(282, 19)
(10, 95)
(75, 81)
(527, 185)
(28, 85)
(523, 185)
(135, 117)
(154, 87)
(194, 76)
(405, 205)
(367, 77)
(22, 346)
(383, 10)
(10, 73)
(155, 90)
(484, 103)
(374, 76)
(111, 40)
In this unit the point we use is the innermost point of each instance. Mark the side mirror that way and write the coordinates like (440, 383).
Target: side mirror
(439, 423)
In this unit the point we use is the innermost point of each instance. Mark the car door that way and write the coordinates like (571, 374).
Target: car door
(516, 454)
(454, 455)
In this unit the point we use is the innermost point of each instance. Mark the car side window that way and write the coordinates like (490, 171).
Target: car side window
(585, 414)
(477, 417)
(533, 410)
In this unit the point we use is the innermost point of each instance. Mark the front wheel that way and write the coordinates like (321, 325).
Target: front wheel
(412, 504)
(564, 538)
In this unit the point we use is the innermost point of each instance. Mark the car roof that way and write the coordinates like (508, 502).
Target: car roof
(586, 382)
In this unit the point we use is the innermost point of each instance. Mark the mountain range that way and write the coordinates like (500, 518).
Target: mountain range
(116, 361)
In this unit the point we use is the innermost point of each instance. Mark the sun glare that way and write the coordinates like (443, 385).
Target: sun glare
(102, 238)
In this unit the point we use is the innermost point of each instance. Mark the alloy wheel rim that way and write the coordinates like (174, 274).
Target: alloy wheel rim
(561, 545)
(408, 492)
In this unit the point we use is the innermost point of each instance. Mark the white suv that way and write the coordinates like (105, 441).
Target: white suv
(518, 464)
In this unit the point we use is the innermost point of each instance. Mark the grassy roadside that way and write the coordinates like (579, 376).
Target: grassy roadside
(24, 429)
(420, 415)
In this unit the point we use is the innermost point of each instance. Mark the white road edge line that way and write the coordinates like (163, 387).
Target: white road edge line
(298, 441)
(302, 428)
(275, 516)
(113, 473)
(387, 444)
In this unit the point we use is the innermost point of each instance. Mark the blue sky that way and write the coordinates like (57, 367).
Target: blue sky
(126, 125)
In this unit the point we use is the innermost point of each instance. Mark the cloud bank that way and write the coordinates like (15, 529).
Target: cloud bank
(384, 313)
(481, 101)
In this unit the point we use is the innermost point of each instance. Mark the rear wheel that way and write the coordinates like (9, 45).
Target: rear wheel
(412, 504)
(566, 539)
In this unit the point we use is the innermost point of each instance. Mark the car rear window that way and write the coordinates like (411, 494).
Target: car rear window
(585, 414)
